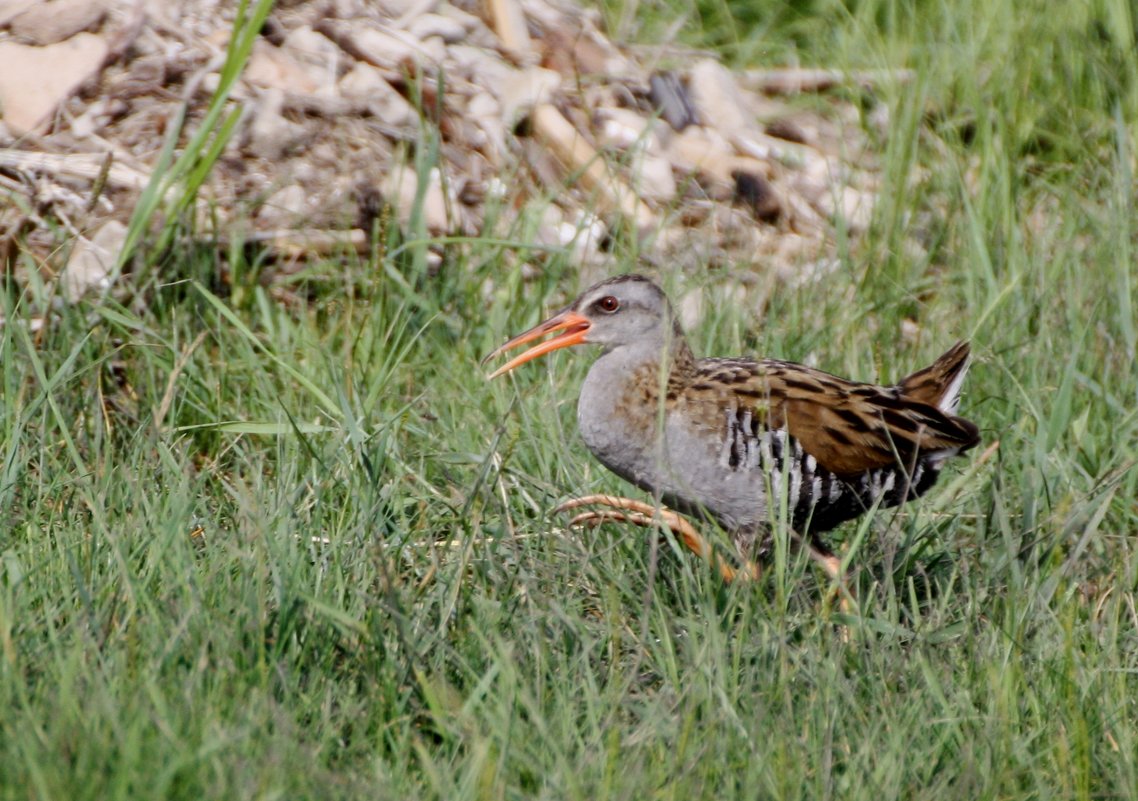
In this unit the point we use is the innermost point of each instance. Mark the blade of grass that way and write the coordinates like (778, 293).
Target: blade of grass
(321, 397)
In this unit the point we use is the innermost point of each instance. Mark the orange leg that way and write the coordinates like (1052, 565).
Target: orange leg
(832, 566)
(628, 510)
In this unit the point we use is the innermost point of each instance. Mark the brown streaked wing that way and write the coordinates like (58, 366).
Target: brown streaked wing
(850, 427)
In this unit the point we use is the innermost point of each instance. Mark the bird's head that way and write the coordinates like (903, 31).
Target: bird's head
(621, 311)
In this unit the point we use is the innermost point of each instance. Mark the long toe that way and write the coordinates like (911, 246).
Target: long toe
(832, 566)
(629, 510)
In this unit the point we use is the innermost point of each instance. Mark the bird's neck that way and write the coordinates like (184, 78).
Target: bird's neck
(683, 362)
(624, 394)
(671, 361)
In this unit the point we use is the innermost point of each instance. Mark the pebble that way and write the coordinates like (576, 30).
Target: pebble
(48, 23)
(35, 80)
(272, 67)
(400, 189)
(698, 148)
(624, 128)
(717, 98)
(271, 136)
(525, 89)
(285, 208)
(450, 30)
(92, 260)
(652, 177)
(318, 54)
(365, 82)
(388, 47)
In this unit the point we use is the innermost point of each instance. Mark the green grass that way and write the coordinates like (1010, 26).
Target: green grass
(256, 550)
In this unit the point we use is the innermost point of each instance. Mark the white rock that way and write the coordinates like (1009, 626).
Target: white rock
(469, 22)
(271, 67)
(46, 23)
(855, 208)
(35, 80)
(364, 82)
(824, 187)
(91, 261)
(651, 173)
(451, 30)
(623, 128)
(691, 309)
(310, 46)
(483, 104)
(545, 13)
(400, 188)
(286, 208)
(12, 8)
(652, 177)
(718, 99)
(523, 90)
(698, 148)
(583, 237)
(387, 47)
(319, 56)
(271, 136)
(802, 216)
(497, 189)
(549, 229)
(880, 120)
(85, 124)
(486, 113)
(436, 49)
(480, 66)
(910, 331)
(406, 8)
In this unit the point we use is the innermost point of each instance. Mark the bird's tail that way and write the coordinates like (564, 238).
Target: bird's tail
(939, 384)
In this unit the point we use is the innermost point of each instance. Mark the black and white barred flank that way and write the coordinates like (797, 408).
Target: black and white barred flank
(819, 499)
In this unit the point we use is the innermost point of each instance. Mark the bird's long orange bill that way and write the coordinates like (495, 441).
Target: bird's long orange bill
(574, 326)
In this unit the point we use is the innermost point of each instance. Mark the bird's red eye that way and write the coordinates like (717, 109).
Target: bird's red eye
(608, 304)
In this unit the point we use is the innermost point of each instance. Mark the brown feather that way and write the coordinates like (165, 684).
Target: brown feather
(928, 385)
(849, 427)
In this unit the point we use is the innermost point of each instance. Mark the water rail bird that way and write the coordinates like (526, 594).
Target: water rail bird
(735, 440)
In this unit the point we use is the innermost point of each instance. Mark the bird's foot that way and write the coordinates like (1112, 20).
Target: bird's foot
(832, 566)
(628, 510)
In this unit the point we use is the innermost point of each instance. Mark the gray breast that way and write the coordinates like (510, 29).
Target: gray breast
(617, 421)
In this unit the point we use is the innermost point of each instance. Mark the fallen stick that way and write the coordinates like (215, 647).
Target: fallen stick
(509, 22)
(309, 243)
(88, 166)
(798, 79)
